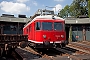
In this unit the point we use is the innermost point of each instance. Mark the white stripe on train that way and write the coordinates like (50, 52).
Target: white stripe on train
(42, 42)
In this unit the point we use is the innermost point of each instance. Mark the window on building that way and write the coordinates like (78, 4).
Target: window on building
(77, 28)
(13, 28)
(87, 28)
(21, 27)
(74, 28)
(6, 27)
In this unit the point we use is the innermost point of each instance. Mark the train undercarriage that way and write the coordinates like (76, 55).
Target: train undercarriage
(47, 44)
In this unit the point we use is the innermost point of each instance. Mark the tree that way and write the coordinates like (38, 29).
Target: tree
(66, 8)
(72, 10)
(76, 9)
(89, 8)
(64, 12)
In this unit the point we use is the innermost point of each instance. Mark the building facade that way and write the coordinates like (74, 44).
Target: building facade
(78, 29)
(12, 25)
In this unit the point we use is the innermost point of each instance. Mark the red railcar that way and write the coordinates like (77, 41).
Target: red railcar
(46, 31)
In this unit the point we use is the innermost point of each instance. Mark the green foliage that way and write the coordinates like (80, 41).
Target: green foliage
(64, 12)
(77, 8)
(89, 8)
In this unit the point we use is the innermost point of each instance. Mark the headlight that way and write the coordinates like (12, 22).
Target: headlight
(62, 36)
(44, 36)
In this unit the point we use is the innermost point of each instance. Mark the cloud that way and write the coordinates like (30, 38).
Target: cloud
(58, 0)
(15, 8)
(35, 3)
(22, 1)
(57, 8)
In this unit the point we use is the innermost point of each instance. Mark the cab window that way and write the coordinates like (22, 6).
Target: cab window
(46, 25)
(58, 26)
(37, 25)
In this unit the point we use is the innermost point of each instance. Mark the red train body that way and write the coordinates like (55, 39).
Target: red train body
(46, 31)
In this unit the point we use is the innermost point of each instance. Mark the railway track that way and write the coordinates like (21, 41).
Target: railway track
(67, 50)
(71, 52)
(74, 54)
(85, 42)
(58, 57)
(27, 53)
(81, 46)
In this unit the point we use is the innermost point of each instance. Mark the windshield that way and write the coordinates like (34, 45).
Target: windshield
(46, 26)
(58, 26)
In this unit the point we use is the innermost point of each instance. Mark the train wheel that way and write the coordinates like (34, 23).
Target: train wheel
(23, 44)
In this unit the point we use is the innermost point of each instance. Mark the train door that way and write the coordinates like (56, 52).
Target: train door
(33, 31)
(37, 30)
(30, 33)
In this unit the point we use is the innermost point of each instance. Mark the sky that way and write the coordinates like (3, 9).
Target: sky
(29, 7)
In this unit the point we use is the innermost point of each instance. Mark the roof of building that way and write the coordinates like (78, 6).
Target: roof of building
(25, 20)
(77, 20)
(8, 19)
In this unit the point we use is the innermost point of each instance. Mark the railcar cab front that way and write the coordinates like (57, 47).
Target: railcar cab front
(49, 33)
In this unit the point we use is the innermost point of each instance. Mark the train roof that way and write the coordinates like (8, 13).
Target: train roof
(49, 17)
(45, 17)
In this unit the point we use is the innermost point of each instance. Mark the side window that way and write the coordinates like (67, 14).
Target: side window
(27, 30)
(30, 28)
(37, 25)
